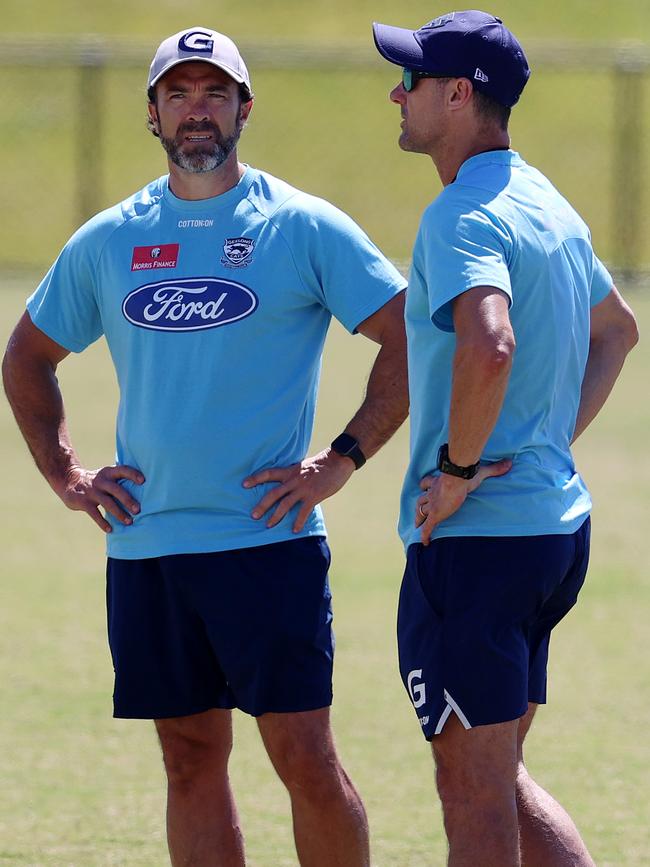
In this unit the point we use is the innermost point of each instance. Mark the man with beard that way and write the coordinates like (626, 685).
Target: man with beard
(214, 287)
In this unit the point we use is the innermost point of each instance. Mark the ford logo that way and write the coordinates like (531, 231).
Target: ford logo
(188, 305)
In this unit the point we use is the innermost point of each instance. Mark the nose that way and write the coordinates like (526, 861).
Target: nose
(398, 94)
(199, 109)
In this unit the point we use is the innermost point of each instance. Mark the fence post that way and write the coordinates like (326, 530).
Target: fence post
(91, 111)
(629, 79)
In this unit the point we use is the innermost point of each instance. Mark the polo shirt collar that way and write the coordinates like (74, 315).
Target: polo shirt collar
(490, 158)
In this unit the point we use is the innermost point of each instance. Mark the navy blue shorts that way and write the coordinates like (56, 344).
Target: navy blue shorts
(474, 623)
(249, 628)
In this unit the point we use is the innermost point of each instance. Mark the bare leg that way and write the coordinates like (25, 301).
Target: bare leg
(476, 773)
(329, 820)
(202, 822)
(549, 838)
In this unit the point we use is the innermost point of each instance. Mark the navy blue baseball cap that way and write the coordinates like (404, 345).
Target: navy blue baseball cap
(468, 44)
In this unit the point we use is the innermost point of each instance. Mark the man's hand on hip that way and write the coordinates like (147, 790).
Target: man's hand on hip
(308, 483)
(445, 494)
(87, 490)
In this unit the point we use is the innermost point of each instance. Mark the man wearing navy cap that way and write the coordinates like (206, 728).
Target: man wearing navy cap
(516, 336)
(214, 287)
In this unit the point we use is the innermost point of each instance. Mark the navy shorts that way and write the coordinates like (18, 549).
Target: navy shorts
(474, 623)
(249, 628)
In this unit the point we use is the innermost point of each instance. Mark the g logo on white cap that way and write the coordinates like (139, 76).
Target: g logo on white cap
(198, 41)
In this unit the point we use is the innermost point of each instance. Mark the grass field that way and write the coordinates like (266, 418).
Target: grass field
(331, 131)
(78, 789)
(323, 20)
(82, 790)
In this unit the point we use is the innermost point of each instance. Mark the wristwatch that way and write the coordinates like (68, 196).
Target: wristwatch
(451, 469)
(348, 447)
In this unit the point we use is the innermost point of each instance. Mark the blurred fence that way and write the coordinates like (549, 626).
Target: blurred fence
(73, 138)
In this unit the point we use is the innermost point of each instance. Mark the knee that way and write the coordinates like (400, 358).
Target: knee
(310, 771)
(465, 792)
(452, 785)
(188, 759)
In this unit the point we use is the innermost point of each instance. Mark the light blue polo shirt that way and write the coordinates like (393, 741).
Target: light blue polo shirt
(501, 223)
(215, 313)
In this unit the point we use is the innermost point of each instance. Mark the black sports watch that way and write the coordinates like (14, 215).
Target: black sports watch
(348, 447)
(451, 469)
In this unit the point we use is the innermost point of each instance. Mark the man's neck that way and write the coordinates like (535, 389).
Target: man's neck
(205, 185)
(449, 159)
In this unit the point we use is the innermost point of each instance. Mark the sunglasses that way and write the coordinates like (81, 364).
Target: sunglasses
(410, 77)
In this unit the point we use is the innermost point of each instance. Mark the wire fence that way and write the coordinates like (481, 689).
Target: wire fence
(73, 138)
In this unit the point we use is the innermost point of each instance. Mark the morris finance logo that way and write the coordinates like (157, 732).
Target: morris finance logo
(149, 258)
(188, 305)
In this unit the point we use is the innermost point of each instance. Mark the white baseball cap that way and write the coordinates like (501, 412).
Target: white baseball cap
(199, 43)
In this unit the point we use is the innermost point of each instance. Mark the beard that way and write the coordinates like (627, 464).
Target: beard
(204, 157)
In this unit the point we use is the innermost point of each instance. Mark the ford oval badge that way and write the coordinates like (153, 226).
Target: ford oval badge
(188, 305)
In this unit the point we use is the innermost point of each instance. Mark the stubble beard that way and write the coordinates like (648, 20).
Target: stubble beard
(202, 158)
(416, 142)
(406, 144)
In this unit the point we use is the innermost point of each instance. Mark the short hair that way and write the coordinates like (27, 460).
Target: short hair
(245, 95)
(489, 109)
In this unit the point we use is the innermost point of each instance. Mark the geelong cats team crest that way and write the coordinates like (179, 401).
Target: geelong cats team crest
(237, 252)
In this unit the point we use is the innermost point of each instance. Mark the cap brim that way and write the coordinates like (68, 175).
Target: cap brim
(398, 45)
(227, 69)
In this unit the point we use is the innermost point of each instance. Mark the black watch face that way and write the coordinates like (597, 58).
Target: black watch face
(347, 446)
(344, 444)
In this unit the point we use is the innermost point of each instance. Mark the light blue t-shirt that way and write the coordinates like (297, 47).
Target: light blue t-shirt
(501, 223)
(215, 313)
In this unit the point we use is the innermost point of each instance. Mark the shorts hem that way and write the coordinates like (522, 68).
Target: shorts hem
(172, 714)
(430, 731)
(319, 704)
(167, 713)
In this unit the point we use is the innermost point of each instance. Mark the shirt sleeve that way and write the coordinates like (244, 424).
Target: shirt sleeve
(462, 247)
(601, 282)
(341, 266)
(64, 305)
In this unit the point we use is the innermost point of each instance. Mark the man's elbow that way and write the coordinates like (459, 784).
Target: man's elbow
(613, 322)
(630, 332)
(6, 368)
(494, 355)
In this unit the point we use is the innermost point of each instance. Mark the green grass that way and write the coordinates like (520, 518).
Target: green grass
(330, 131)
(321, 20)
(84, 790)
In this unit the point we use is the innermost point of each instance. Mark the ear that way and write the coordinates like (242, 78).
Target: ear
(461, 94)
(153, 115)
(244, 110)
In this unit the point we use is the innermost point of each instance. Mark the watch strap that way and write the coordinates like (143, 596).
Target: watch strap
(451, 469)
(348, 447)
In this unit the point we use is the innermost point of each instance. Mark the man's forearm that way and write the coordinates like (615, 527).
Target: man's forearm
(613, 333)
(480, 374)
(479, 382)
(35, 398)
(604, 364)
(386, 402)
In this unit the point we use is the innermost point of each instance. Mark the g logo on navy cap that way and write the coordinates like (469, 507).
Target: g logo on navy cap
(469, 44)
(199, 43)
